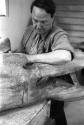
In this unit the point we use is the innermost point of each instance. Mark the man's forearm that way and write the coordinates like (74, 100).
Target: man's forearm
(55, 57)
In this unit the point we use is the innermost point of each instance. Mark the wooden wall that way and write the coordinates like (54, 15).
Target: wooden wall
(70, 16)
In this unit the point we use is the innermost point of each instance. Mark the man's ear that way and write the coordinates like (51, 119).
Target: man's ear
(54, 19)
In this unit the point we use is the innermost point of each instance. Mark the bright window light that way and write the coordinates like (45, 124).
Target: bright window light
(2, 8)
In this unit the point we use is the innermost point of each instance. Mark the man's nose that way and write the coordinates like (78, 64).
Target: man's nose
(39, 25)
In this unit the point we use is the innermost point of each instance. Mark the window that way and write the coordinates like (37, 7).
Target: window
(3, 9)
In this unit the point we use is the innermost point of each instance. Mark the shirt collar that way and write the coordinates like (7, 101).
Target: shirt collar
(43, 36)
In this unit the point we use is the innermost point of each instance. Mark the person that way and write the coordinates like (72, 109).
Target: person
(45, 42)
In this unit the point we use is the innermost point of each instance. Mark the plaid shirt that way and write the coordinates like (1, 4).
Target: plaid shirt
(55, 39)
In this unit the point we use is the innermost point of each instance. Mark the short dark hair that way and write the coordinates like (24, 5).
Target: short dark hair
(47, 5)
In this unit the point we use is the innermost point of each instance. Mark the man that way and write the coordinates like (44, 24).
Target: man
(45, 43)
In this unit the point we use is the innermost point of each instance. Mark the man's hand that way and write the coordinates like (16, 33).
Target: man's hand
(15, 58)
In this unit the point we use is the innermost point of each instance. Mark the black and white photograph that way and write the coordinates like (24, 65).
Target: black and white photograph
(41, 62)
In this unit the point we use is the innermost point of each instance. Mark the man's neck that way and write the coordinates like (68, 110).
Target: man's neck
(44, 35)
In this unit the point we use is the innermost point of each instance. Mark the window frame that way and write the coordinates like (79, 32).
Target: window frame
(7, 7)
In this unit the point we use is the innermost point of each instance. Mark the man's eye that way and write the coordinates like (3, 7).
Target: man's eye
(35, 20)
(42, 22)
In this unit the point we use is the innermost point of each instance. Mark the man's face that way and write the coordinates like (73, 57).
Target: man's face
(42, 21)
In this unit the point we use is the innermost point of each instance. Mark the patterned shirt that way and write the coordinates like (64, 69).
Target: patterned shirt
(55, 39)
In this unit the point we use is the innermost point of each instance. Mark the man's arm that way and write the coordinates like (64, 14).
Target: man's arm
(54, 57)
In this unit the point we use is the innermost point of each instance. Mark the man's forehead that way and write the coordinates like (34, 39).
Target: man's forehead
(40, 13)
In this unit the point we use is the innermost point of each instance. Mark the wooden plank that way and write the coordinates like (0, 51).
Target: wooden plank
(69, 2)
(72, 21)
(76, 40)
(70, 14)
(76, 34)
(27, 115)
(72, 8)
(70, 27)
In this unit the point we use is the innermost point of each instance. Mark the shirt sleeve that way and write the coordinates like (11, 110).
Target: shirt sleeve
(62, 43)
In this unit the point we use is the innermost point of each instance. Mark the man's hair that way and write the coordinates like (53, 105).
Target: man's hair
(47, 5)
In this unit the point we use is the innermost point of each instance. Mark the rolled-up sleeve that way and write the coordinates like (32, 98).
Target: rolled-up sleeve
(62, 43)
